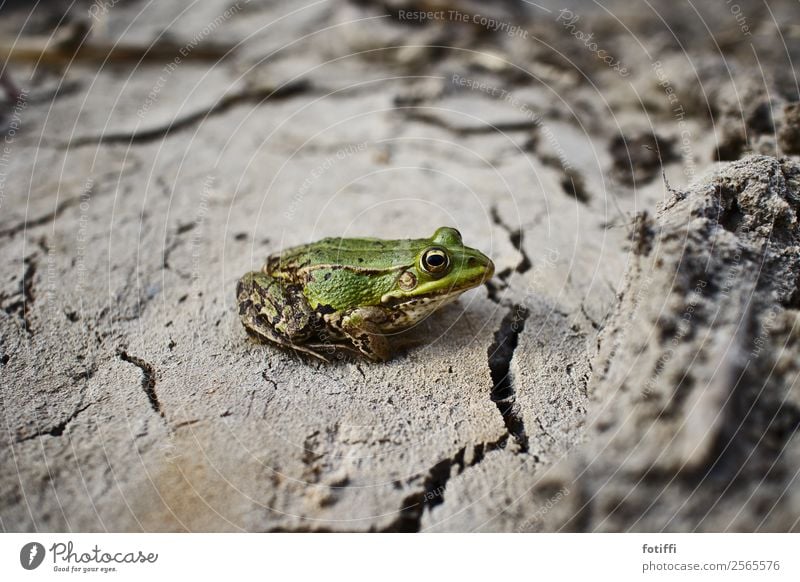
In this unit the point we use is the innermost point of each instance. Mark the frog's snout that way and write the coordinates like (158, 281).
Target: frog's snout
(483, 263)
(489, 269)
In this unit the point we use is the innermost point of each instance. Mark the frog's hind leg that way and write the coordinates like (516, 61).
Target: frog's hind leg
(308, 349)
(273, 311)
(312, 350)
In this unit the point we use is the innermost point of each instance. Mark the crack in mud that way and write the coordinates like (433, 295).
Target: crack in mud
(256, 95)
(57, 429)
(501, 352)
(435, 484)
(515, 236)
(41, 220)
(500, 355)
(148, 379)
(488, 128)
(21, 306)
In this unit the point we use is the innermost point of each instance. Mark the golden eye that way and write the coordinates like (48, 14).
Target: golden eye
(435, 261)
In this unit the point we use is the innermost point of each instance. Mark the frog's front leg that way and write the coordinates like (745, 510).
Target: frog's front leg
(362, 327)
(272, 310)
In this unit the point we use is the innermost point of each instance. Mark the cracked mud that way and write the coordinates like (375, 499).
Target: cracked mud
(632, 365)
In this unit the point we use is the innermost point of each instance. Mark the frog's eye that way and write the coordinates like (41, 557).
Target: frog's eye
(435, 261)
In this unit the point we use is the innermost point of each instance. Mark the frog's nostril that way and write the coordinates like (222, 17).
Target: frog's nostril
(481, 262)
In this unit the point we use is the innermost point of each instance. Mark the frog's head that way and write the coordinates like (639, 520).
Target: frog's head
(443, 268)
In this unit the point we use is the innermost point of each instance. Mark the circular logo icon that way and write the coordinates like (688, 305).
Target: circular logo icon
(31, 555)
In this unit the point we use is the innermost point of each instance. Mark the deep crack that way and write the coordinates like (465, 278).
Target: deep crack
(148, 379)
(435, 485)
(500, 354)
(506, 338)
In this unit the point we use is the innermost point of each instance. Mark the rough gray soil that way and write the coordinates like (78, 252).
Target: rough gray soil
(632, 366)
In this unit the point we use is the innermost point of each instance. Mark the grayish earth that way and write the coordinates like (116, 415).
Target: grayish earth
(632, 366)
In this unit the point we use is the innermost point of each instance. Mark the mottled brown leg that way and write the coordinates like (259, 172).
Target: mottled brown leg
(271, 311)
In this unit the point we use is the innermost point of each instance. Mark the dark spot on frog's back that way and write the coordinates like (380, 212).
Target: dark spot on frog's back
(327, 276)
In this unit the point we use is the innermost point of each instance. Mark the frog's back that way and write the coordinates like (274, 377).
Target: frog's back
(367, 254)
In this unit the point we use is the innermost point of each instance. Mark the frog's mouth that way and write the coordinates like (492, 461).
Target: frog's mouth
(488, 271)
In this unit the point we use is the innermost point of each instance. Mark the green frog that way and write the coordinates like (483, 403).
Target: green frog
(350, 294)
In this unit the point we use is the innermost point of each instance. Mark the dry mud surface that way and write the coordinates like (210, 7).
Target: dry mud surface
(632, 366)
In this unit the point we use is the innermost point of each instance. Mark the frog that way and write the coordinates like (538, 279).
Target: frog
(351, 295)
